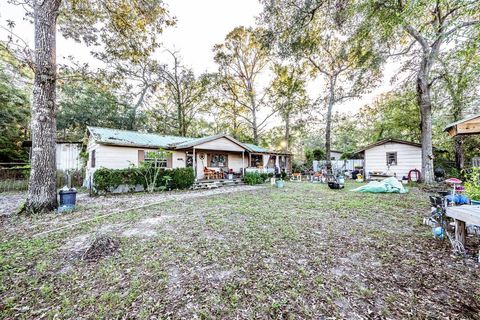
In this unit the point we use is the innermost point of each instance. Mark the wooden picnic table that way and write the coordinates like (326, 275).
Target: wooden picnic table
(462, 216)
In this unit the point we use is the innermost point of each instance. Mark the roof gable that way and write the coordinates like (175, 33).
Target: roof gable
(381, 142)
(467, 126)
(200, 141)
(461, 121)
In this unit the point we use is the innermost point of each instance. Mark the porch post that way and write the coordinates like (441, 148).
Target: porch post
(243, 163)
(194, 164)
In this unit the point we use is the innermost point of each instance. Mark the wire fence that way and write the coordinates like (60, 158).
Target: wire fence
(14, 177)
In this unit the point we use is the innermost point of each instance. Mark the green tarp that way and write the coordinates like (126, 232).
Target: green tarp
(388, 185)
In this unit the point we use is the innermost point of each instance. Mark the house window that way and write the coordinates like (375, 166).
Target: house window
(256, 160)
(391, 158)
(157, 162)
(92, 159)
(218, 160)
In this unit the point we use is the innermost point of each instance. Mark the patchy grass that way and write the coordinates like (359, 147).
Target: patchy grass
(300, 252)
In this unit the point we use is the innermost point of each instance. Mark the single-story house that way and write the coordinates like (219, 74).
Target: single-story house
(391, 157)
(117, 149)
(67, 154)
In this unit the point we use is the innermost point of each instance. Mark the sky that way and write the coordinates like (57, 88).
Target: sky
(200, 25)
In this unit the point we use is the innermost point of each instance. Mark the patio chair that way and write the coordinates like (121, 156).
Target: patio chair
(209, 173)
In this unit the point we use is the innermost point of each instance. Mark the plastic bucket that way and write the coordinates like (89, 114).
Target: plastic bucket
(280, 183)
(68, 198)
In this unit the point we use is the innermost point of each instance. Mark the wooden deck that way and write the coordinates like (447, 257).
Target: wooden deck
(462, 216)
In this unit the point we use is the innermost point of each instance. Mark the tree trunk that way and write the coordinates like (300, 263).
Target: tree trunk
(458, 140)
(328, 127)
(459, 155)
(42, 193)
(179, 117)
(287, 132)
(425, 104)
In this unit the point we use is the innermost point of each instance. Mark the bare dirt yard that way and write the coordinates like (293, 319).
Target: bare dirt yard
(304, 251)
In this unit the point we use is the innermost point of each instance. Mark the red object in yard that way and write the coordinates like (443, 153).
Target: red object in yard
(414, 175)
(453, 181)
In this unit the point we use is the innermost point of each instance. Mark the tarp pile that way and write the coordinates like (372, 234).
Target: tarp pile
(388, 185)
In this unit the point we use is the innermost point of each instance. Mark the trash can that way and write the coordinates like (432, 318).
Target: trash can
(68, 198)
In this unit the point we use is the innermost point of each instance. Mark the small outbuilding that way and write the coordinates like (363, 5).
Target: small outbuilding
(67, 154)
(335, 155)
(467, 126)
(391, 158)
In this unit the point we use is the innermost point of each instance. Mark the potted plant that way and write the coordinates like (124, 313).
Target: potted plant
(472, 185)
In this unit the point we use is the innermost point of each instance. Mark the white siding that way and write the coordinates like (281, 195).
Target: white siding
(68, 156)
(178, 159)
(408, 158)
(115, 157)
(235, 162)
(335, 155)
(222, 144)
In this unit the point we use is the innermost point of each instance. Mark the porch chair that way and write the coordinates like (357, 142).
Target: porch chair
(209, 173)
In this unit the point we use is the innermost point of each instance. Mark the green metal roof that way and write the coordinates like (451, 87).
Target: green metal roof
(255, 148)
(134, 138)
(152, 140)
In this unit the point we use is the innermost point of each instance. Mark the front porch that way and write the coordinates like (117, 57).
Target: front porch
(224, 158)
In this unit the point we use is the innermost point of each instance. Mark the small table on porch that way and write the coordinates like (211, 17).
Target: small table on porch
(462, 216)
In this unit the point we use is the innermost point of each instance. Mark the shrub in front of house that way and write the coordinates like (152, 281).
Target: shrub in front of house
(252, 178)
(182, 178)
(107, 180)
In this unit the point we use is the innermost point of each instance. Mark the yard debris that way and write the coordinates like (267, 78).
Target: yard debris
(388, 185)
(101, 246)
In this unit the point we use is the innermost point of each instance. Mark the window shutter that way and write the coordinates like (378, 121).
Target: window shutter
(141, 156)
(170, 160)
(93, 159)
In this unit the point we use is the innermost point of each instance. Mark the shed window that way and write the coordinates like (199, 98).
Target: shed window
(92, 159)
(391, 158)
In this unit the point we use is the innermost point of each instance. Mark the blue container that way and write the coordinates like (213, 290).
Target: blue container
(475, 202)
(68, 198)
(280, 183)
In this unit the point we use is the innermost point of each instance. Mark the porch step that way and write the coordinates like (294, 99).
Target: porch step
(213, 184)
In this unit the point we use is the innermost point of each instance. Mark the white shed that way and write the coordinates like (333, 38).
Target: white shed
(335, 155)
(67, 154)
(392, 157)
